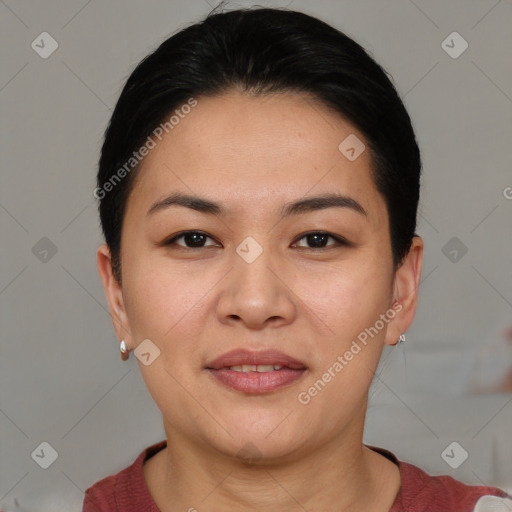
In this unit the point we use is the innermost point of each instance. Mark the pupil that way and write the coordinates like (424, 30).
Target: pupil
(317, 236)
(195, 239)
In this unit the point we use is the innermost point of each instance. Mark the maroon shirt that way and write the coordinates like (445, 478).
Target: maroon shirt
(127, 491)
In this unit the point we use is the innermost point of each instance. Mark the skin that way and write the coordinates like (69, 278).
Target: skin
(253, 155)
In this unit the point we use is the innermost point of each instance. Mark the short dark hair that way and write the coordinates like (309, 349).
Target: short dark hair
(262, 51)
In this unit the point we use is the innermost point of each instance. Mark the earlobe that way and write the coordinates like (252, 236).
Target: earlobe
(406, 289)
(113, 293)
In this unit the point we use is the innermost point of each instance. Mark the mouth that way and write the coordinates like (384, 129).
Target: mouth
(256, 372)
(260, 368)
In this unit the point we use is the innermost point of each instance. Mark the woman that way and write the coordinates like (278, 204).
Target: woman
(258, 187)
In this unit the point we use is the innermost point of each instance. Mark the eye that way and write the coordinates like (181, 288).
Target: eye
(192, 239)
(319, 239)
(197, 239)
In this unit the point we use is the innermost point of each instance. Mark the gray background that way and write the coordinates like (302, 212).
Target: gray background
(62, 380)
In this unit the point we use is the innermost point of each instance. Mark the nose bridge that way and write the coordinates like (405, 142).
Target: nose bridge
(252, 262)
(255, 290)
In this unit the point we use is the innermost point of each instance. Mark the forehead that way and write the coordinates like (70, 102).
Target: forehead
(251, 151)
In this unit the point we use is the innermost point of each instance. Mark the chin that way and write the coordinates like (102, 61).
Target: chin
(265, 441)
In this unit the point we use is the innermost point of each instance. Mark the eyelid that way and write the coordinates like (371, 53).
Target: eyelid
(172, 239)
(340, 241)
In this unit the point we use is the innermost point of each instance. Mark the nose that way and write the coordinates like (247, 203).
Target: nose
(258, 292)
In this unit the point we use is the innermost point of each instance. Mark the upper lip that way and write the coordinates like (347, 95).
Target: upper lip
(243, 356)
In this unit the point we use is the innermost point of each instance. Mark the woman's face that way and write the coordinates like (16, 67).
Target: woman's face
(251, 279)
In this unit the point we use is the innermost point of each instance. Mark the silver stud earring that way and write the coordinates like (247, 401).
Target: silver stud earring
(125, 354)
(401, 339)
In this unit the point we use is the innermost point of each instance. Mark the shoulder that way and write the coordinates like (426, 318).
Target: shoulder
(421, 492)
(101, 496)
(123, 490)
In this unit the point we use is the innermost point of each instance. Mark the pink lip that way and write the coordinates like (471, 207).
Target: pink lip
(244, 356)
(256, 382)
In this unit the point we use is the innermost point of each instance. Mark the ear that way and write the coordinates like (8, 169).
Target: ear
(114, 294)
(406, 287)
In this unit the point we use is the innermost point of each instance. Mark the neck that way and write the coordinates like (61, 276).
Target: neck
(341, 475)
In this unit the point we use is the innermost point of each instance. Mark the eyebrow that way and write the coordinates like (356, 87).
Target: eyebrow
(308, 204)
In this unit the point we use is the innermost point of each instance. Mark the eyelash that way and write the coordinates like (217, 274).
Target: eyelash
(339, 240)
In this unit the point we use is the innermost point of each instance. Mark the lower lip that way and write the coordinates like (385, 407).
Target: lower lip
(257, 382)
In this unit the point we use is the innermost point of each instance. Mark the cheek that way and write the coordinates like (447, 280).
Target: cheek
(347, 297)
(165, 303)
(349, 301)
